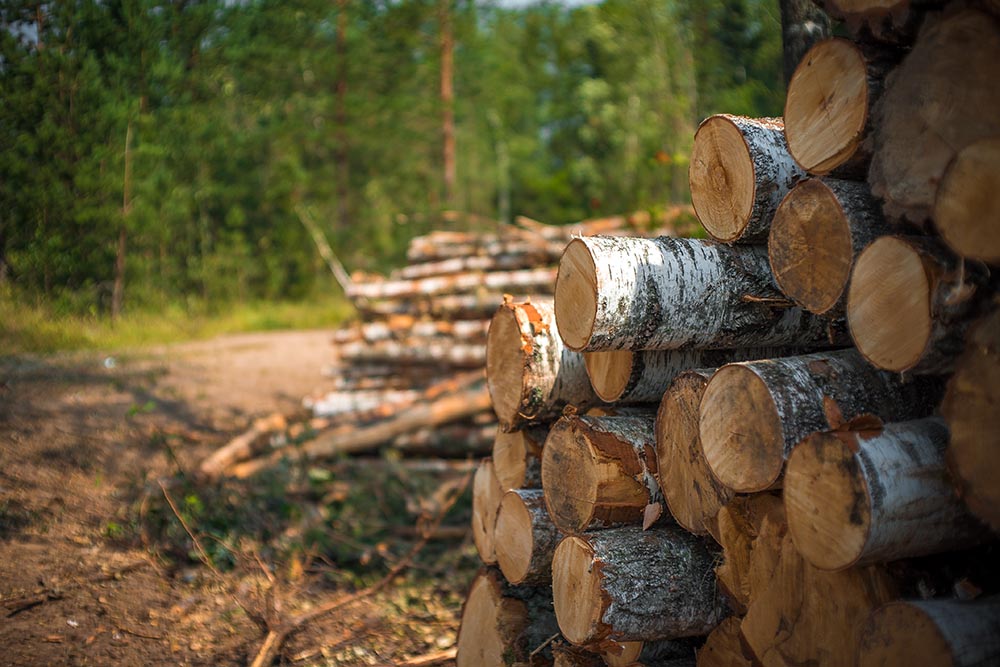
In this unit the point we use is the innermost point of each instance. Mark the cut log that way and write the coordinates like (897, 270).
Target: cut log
(809, 616)
(531, 374)
(723, 647)
(415, 351)
(691, 491)
(863, 497)
(970, 407)
(525, 538)
(567, 655)
(889, 21)
(740, 170)
(528, 280)
(754, 412)
(950, 76)
(435, 248)
(910, 303)
(627, 584)
(486, 496)
(482, 304)
(242, 446)
(517, 457)
(828, 106)
(670, 293)
(601, 471)
(672, 652)
(967, 208)
(335, 403)
(750, 530)
(503, 624)
(819, 229)
(935, 633)
(508, 261)
(448, 440)
(404, 327)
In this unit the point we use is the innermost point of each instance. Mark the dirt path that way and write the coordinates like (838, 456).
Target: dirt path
(83, 439)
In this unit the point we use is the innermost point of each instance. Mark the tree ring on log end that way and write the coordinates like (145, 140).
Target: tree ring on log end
(514, 538)
(723, 184)
(505, 364)
(900, 633)
(576, 295)
(741, 434)
(510, 452)
(576, 589)
(569, 477)
(486, 495)
(485, 614)
(967, 209)
(827, 502)
(889, 304)
(609, 372)
(826, 109)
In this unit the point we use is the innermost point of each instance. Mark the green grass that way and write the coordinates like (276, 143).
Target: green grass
(39, 328)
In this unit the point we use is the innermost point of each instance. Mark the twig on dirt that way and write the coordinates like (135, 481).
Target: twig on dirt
(541, 647)
(276, 636)
(429, 659)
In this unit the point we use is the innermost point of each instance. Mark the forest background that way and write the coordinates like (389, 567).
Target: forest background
(160, 157)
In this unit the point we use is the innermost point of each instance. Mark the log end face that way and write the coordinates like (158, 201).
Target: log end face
(490, 623)
(721, 178)
(505, 359)
(810, 247)
(576, 295)
(510, 455)
(967, 209)
(827, 502)
(514, 538)
(826, 108)
(609, 372)
(576, 590)
(486, 495)
(568, 477)
(902, 634)
(740, 430)
(889, 304)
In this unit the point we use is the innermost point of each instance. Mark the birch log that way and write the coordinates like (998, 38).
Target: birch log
(935, 633)
(950, 76)
(517, 457)
(486, 496)
(750, 530)
(723, 646)
(670, 293)
(740, 170)
(967, 209)
(818, 231)
(528, 280)
(692, 493)
(601, 471)
(503, 624)
(809, 616)
(672, 652)
(627, 584)
(531, 375)
(910, 303)
(863, 497)
(415, 351)
(829, 103)
(889, 21)
(970, 407)
(754, 412)
(525, 538)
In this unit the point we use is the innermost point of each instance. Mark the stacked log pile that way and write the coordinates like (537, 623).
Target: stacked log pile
(780, 446)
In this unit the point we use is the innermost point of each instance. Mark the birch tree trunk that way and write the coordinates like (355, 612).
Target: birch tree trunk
(627, 584)
(754, 412)
(525, 538)
(740, 170)
(670, 293)
(855, 498)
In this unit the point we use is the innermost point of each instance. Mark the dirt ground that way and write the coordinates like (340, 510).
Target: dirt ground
(87, 578)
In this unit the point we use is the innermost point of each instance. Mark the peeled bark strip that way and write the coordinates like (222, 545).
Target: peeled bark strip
(525, 537)
(530, 373)
(600, 471)
(740, 170)
(503, 624)
(517, 458)
(910, 303)
(950, 76)
(627, 584)
(750, 530)
(669, 293)
(828, 107)
(486, 497)
(723, 647)
(890, 21)
(691, 491)
(809, 616)
(936, 633)
(970, 408)
(819, 229)
(754, 412)
(864, 497)
(967, 209)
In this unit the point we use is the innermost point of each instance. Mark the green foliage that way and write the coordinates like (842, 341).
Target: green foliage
(239, 113)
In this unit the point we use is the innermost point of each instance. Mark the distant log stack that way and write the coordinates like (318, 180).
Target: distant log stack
(832, 477)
